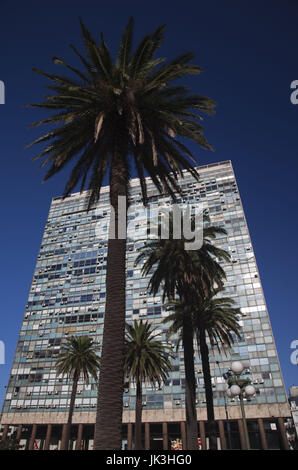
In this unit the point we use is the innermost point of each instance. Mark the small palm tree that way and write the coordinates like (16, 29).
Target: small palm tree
(185, 273)
(214, 318)
(77, 358)
(146, 360)
(107, 117)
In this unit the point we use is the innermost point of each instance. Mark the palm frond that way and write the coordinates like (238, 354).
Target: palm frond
(127, 106)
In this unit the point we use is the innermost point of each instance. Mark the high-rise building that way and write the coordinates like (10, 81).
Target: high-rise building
(67, 297)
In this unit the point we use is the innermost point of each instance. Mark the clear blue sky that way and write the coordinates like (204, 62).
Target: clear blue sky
(249, 53)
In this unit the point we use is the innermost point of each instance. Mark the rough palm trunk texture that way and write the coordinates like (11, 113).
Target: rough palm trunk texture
(223, 441)
(147, 436)
(108, 427)
(48, 437)
(129, 436)
(5, 431)
(67, 430)
(138, 421)
(32, 437)
(203, 435)
(283, 434)
(208, 391)
(190, 390)
(79, 437)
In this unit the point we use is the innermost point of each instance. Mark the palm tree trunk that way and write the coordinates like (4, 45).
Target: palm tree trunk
(208, 389)
(67, 434)
(108, 427)
(190, 385)
(138, 421)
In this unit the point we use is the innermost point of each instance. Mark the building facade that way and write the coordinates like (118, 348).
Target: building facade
(293, 401)
(67, 297)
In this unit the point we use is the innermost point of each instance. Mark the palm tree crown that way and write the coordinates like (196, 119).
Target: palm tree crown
(78, 357)
(124, 107)
(178, 269)
(218, 317)
(146, 358)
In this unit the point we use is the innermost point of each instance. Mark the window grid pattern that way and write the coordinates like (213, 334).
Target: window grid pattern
(67, 296)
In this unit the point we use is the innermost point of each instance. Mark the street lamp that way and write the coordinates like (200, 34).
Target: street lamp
(237, 367)
(241, 387)
(227, 414)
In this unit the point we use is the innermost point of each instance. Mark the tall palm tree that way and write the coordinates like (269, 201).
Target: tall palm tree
(78, 358)
(214, 318)
(185, 273)
(112, 116)
(146, 360)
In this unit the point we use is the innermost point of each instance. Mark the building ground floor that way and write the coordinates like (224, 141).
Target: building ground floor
(163, 429)
(266, 434)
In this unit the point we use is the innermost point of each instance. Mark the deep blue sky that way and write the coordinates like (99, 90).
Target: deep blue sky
(249, 53)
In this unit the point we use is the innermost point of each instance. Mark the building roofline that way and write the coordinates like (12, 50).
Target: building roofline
(105, 188)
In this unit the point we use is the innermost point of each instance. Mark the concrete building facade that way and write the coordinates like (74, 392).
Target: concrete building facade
(67, 297)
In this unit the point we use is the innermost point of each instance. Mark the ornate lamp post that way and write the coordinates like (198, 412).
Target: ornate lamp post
(227, 414)
(241, 387)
